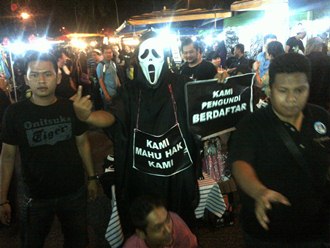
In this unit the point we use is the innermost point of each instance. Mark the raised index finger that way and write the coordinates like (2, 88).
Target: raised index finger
(79, 92)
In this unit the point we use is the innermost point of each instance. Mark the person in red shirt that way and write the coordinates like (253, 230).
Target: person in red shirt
(155, 227)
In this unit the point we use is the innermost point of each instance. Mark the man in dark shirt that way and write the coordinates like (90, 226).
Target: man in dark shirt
(195, 67)
(285, 203)
(241, 64)
(294, 43)
(54, 153)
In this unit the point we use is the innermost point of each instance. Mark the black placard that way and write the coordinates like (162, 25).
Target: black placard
(214, 107)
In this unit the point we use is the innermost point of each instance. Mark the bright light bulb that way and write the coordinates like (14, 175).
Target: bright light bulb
(25, 15)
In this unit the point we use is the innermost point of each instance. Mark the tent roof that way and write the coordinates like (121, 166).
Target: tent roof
(180, 15)
(78, 35)
(187, 20)
(244, 5)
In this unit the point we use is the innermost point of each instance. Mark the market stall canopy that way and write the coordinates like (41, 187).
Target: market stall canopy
(79, 35)
(156, 19)
(245, 5)
(180, 15)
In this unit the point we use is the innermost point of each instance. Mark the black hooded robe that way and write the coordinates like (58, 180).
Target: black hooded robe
(156, 117)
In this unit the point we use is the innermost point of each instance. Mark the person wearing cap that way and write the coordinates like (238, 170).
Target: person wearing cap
(294, 43)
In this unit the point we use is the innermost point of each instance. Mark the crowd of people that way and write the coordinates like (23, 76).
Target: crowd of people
(280, 154)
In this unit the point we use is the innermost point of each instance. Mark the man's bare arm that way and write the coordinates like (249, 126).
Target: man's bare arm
(249, 182)
(83, 109)
(7, 163)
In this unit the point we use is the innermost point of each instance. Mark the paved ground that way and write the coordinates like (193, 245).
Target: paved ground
(209, 235)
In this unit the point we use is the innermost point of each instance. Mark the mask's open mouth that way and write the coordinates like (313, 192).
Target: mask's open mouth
(151, 69)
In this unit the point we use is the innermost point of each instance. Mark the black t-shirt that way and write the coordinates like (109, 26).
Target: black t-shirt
(257, 143)
(295, 45)
(202, 71)
(241, 64)
(45, 135)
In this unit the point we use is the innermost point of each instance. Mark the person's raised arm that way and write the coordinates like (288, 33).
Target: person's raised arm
(83, 109)
(7, 162)
(247, 179)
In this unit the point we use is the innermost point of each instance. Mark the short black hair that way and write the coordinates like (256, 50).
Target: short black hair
(31, 56)
(275, 48)
(240, 46)
(289, 63)
(58, 53)
(106, 48)
(212, 55)
(188, 41)
(141, 208)
(269, 36)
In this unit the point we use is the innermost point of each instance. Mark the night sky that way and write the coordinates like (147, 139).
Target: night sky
(85, 15)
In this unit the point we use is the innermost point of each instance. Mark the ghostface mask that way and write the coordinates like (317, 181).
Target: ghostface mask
(151, 59)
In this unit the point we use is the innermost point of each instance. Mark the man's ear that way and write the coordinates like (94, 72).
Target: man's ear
(26, 80)
(141, 234)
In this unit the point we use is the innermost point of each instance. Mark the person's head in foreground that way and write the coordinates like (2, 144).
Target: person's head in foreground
(152, 222)
(289, 76)
(41, 75)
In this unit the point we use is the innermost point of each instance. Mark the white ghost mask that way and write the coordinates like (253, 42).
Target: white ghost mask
(151, 59)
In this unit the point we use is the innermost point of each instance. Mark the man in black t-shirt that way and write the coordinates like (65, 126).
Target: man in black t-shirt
(294, 43)
(286, 194)
(239, 65)
(195, 67)
(54, 152)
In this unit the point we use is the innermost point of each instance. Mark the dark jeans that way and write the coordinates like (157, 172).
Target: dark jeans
(38, 216)
(251, 242)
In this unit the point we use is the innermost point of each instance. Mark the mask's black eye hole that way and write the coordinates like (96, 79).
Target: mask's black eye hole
(145, 54)
(155, 53)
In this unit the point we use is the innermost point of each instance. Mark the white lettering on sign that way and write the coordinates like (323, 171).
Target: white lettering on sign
(220, 93)
(217, 113)
(148, 154)
(161, 165)
(157, 145)
(220, 102)
(173, 150)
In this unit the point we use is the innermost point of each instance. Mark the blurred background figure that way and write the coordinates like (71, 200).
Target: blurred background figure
(294, 44)
(320, 65)
(4, 65)
(273, 50)
(66, 88)
(214, 58)
(262, 61)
